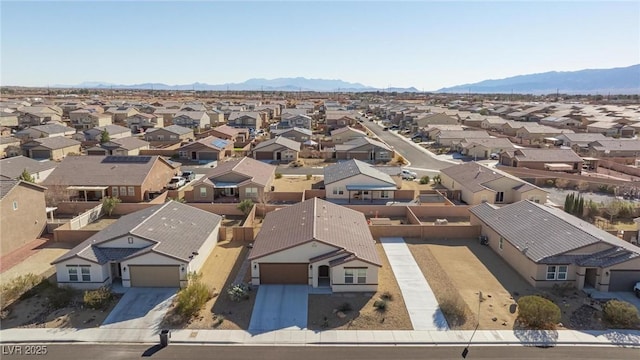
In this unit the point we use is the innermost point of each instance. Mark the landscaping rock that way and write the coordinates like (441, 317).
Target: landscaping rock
(494, 319)
(341, 315)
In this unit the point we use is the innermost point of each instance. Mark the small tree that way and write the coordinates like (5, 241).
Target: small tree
(538, 312)
(437, 179)
(568, 203)
(612, 208)
(109, 203)
(245, 206)
(424, 180)
(25, 176)
(104, 137)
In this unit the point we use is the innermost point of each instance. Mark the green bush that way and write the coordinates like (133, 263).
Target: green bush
(620, 314)
(309, 176)
(60, 297)
(538, 312)
(424, 180)
(381, 305)
(245, 206)
(238, 292)
(17, 287)
(278, 175)
(98, 299)
(192, 298)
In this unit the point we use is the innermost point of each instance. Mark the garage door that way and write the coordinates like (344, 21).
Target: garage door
(623, 280)
(155, 275)
(207, 155)
(280, 273)
(40, 154)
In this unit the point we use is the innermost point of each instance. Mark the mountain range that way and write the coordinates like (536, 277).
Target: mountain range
(622, 80)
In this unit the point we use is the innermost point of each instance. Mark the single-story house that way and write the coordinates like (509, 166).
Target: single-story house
(39, 115)
(23, 214)
(45, 131)
(483, 148)
(433, 119)
(580, 140)
(9, 146)
(296, 134)
(339, 118)
(539, 132)
(548, 247)
(234, 181)
(170, 134)
(493, 123)
(543, 159)
(122, 146)
(358, 180)
(54, 148)
(347, 133)
(9, 119)
(451, 137)
(316, 243)
(614, 148)
(365, 149)
(14, 166)
(478, 183)
(90, 178)
(227, 132)
(279, 149)
(560, 122)
(95, 134)
(206, 149)
(154, 247)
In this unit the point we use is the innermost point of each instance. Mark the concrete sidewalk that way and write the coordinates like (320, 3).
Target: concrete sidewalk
(419, 299)
(628, 338)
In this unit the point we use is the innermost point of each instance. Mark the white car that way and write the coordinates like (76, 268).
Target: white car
(636, 289)
(176, 182)
(408, 174)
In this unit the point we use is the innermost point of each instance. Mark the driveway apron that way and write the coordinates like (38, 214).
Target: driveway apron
(140, 308)
(280, 307)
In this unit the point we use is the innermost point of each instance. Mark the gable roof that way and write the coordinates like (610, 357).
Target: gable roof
(463, 134)
(14, 166)
(6, 185)
(320, 220)
(280, 140)
(616, 145)
(582, 136)
(347, 169)
(257, 171)
(502, 143)
(228, 130)
(361, 141)
(339, 131)
(174, 229)
(49, 129)
(281, 132)
(176, 129)
(210, 142)
(473, 176)
(543, 232)
(547, 155)
(111, 129)
(53, 143)
(129, 143)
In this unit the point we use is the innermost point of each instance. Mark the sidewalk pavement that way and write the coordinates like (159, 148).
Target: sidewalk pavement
(626, 338)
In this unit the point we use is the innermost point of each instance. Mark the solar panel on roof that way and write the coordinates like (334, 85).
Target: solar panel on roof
(127, 159)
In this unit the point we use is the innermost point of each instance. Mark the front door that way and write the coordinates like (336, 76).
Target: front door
(194, 155)
(590, 278)
(116, 271)
(323, 276)
(278, 155)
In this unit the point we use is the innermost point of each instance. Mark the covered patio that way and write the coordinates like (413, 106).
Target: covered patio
(369, 193)
(88, 193)
(225, 192)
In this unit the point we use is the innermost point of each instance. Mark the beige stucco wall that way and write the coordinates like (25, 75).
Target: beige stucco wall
(532, 195)
(24, 224)
(359, 179)
(100, 274)
(337, 277)
(205, 250)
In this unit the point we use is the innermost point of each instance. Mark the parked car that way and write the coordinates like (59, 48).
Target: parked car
(385, 129)
(494, 156)
(636, 289)
(408, 174)
(176, 182)
(188, 175)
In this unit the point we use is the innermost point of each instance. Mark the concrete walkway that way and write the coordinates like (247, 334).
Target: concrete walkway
(419, 299)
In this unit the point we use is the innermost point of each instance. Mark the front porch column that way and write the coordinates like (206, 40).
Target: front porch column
(85, 195)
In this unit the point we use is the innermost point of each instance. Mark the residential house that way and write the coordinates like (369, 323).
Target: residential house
(549, 247)
(614, 148)
(316, 243)
(192, 119)
(278, 149)
(607, 128)
(83, 119)
(245, 119)
(206, 149)
(478, 183)
(484, 148)
(167, 114)
(365, 149)
(234, 181)
(170, 134)
(38, 115)
(216, 117)
(142, 122)
(288, 112)
(227, 132)
(493, 123)
(121, 113)
(472, 119)
(432, 131)
(95, 134)
(338, 118)
(345, 134)
(23, 214)
(155, 247)
(132, 179)
(543, 159)
(69, 106)
(9, 119)
(45, 131)
(289, 121)
(452, 137)
(538, 133)
(123, 146)
(560, 122)
(53, 148)
(577, 141)
(434, 119)
(9, 146)
(13, 167)
(357, 180)
(300, 135)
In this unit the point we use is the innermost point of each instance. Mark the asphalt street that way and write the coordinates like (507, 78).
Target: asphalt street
(174, 351)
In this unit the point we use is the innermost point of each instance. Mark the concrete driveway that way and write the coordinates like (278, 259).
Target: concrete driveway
(280, 307)
(140, 308)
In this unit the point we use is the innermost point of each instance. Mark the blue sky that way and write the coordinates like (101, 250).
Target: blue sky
(428, 45)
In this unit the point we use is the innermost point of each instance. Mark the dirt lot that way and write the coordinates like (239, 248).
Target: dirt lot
(219, 271)
(295, 184)
(363, 315)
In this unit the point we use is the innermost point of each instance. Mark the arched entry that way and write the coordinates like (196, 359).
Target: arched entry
(323, 276)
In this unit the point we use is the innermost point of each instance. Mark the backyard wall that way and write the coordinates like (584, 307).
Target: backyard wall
(74, 237)
(426, 231)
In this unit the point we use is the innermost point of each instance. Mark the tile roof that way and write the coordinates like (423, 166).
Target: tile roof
(502, 143)
(339, 131)
(473, 176)
(57, 142)
(8, 140)
(361, 141)
(319, 220)
(547, 155)
(53, 128)
(280, 140)
(6, 186)
(617, 145)
(293, 129)
(255, 171)
(347, 169)
(210, 142)
(176, 129)
(130, 142)
(174, 229)
(463, 134)
(583, 136)
(14, 166)
(542, 232)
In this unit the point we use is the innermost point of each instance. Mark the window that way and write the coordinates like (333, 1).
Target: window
(501, 243)
(73, 273)
(203, 192)
(348, 276)
(123, 190)
(384, 194)
(535, 199)
(114, 191)
(337, 191)
(557, 272)
(251, 192)
(86, 273)
(15, 205)
(355, 276)
(131, 191)
(383, 155)
(362, 276)
(130, 240)
(499, 196)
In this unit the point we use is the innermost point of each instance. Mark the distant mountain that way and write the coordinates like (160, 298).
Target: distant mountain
(624, 80)
(280, 84)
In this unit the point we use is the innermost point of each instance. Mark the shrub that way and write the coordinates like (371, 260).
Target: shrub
(278, 175)
(309, 176)
(620, 314)
(238, 292)
(98, 299)
(454, 310)
(345, 307)
(192, 298)
(60, 297)
(380, 305)
(562, 183)
(217, 320)
(437, 179)
(538, 312)
(551, 182)
(17, 287)
(424, 180)
(245, 206)
(387, 296)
